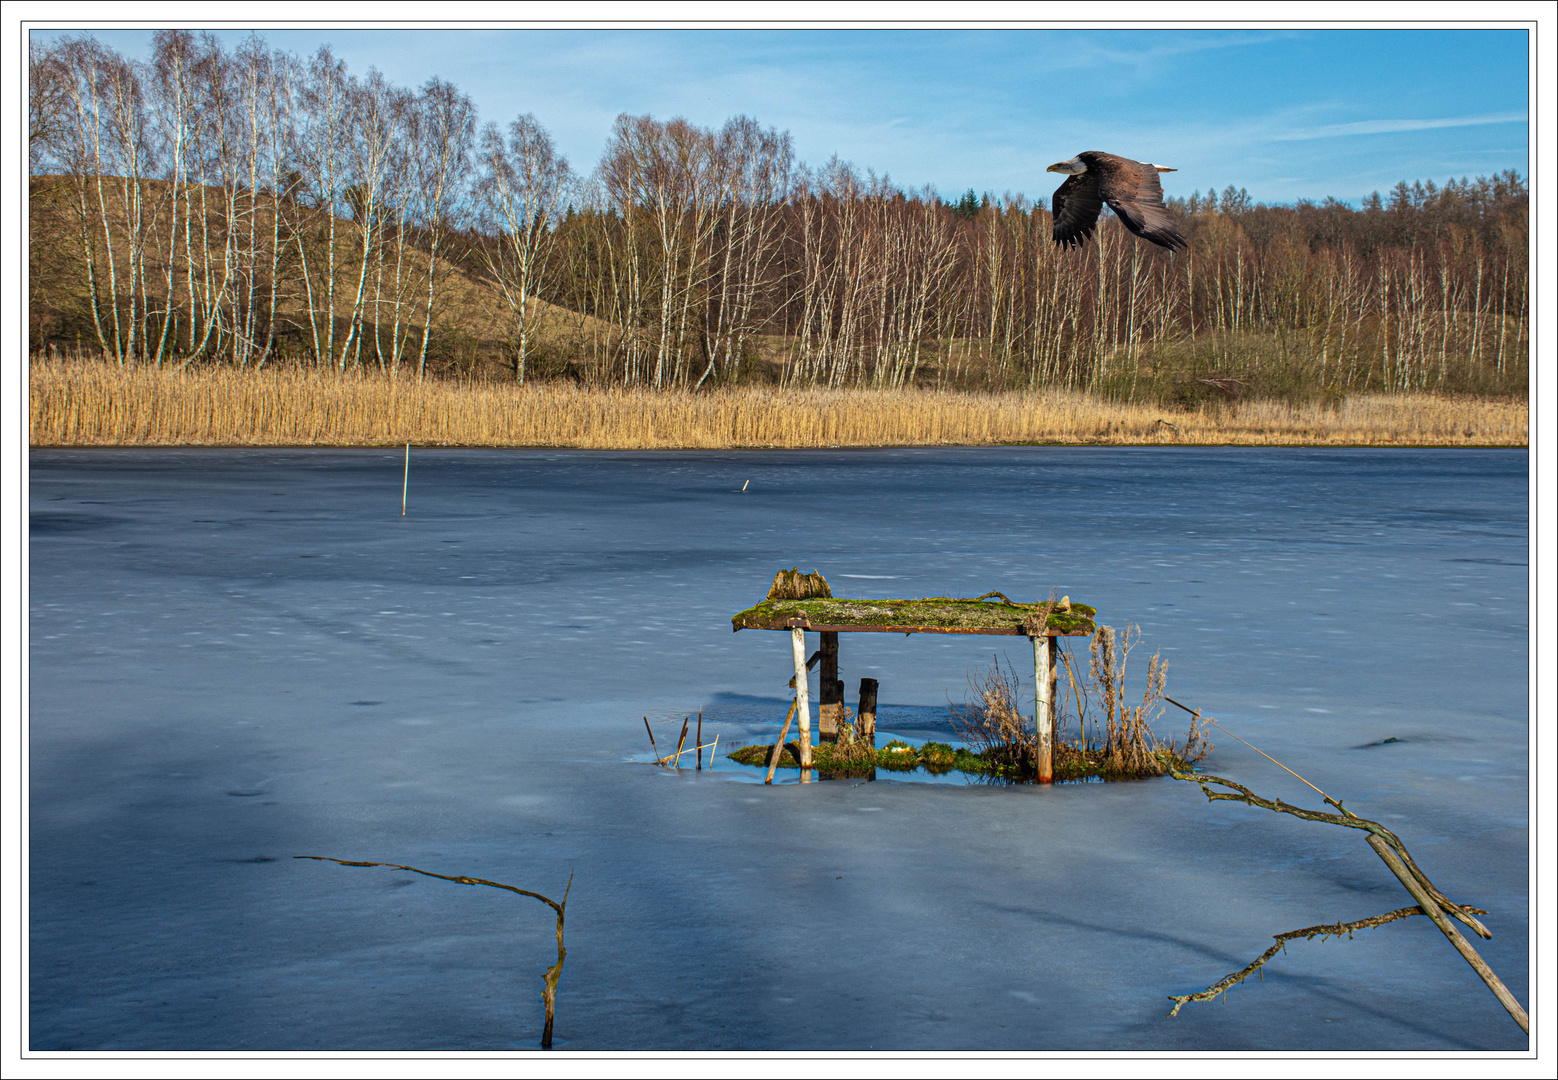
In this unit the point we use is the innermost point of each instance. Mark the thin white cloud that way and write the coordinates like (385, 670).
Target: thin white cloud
(1080, 52)
(1382, 127)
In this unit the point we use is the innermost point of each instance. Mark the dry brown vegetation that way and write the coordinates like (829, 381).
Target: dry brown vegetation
(1112, 732)
(1113, 738)
(96, 403)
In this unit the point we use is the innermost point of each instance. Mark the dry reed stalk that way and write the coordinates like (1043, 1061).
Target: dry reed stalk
(679, 744)
(991, 724)
(1129, 744)
(1112, 734)
(652, 745)
(93, 403)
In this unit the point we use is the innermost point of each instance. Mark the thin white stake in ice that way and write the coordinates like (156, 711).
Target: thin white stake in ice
(405, 478)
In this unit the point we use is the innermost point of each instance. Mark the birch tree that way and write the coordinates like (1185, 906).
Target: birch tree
(443, 129)
(105, 148)
(523, 188)
(321, 150)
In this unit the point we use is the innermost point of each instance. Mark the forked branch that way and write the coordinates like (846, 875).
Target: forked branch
(1346, 819)
(1223, 985)
(1390, 849)
(553, 973)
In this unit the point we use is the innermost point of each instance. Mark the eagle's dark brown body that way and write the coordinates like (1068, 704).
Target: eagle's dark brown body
(1130, 188)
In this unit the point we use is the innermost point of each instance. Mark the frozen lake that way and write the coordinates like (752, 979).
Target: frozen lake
(241, 656)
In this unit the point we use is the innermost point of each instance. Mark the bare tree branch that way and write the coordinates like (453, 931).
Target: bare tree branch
(553, 973)
(1394, 855)
(1336, 929)
(1346, 819)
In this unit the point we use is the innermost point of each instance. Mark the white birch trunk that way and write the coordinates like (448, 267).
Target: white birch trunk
(1044, 703)
(802, 699)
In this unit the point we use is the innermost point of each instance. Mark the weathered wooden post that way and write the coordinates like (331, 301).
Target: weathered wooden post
(865, 716)
(1044, 703)
(830, 692)
(802, 704)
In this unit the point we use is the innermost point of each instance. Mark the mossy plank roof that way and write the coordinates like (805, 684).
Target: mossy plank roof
(929, 615)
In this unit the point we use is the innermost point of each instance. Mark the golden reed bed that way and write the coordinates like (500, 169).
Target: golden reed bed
(76, 403)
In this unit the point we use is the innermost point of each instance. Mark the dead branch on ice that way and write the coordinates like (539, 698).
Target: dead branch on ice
(1388, 846)
(1336, 929)
(553, 973)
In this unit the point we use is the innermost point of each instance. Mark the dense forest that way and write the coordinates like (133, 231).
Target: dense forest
(247, 207)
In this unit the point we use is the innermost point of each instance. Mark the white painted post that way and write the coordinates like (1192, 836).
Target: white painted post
(802, 702)
(1044, 703)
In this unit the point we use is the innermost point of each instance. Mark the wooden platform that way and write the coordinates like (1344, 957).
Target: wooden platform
(928, 615)
(800, 602)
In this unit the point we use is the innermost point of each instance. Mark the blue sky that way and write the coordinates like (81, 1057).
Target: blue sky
(1285, 113)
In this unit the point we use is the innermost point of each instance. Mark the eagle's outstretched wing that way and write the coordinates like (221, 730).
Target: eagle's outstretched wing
(1077, 204)
(1132, 191)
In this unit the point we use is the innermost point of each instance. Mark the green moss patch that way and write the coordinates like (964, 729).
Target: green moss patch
(833, 759)
(928, 614)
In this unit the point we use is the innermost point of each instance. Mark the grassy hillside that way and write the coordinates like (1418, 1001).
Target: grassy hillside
(472, 325)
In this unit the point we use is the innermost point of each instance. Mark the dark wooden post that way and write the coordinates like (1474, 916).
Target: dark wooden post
(865, 715)
(1054, 693)
(830, 692)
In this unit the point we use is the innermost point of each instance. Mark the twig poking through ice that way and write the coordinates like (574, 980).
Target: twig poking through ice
(1223, 985)
(553, 973)
(680, 743)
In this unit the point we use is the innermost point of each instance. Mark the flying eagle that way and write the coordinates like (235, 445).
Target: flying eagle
(1129, 187)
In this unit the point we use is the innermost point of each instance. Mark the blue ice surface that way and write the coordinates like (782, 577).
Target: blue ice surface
(238, 656)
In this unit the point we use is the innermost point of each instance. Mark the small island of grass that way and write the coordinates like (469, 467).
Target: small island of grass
(1070, 761)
